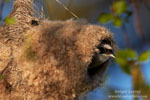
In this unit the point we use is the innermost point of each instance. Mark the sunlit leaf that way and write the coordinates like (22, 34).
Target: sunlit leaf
(124, 65)
(1, 76)
(125, 58)
(130, 53)
(119, 7)
(144, 56)
(10, 20)
(105, 17)
(125, 54)
(121, 62)
(117, 21)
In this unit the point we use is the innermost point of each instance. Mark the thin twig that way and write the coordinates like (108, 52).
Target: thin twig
(67, 9)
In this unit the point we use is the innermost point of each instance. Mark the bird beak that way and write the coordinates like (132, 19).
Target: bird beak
(111, 56)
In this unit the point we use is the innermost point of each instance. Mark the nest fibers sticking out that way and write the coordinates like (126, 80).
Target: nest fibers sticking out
(56, 60)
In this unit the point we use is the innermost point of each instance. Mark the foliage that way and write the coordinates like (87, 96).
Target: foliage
(119, 7)
(105, 17)
(119, 13)
(143, 56)
(117, 21)
(128, 58)
(129, 61)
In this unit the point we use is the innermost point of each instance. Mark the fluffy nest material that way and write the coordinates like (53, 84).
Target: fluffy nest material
(53, 62)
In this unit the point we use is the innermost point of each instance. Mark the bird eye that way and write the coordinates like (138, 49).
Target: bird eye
(105, 50)
(102, 50)
(111, 51)
(106, 41)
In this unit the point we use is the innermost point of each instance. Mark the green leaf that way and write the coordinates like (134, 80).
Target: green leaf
(105, 17)
(125, 54)
(124, 65)
(131, 53)
(1, 76)
(117, 21)
(126, 69)
(119, 7)
(144, 56)
(123, 58)
(10, 20)
(121, 61)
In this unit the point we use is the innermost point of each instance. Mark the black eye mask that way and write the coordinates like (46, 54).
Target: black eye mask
(105, 50)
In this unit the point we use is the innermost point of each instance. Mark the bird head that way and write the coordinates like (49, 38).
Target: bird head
(104, 53)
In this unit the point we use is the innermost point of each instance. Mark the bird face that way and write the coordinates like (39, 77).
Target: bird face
(103, 54)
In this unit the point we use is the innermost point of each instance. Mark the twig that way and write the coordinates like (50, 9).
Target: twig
(73, 14)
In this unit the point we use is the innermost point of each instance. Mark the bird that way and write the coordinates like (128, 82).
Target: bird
(103, 55)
